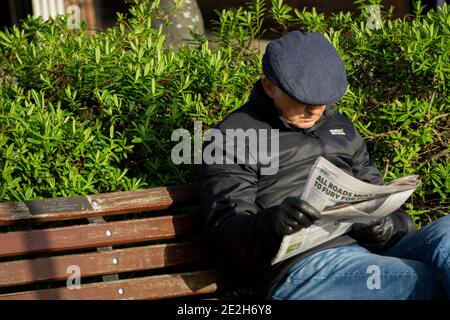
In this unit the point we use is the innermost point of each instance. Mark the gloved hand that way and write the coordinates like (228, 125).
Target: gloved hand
(376, 234)
(293, 215)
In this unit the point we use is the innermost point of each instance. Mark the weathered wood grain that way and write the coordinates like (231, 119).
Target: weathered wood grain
(102, 263)
(152, 287)
(97, 235)
(104, 204)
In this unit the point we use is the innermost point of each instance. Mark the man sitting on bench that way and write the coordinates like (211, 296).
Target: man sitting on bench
(248, 212)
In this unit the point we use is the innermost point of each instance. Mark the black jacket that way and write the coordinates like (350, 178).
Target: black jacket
(236, 198)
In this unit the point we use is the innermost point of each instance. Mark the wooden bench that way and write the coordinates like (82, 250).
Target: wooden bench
(144, 244)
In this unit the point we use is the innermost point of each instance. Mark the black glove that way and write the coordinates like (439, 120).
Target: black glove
(293, 215)
(376, 234)
(384, 232)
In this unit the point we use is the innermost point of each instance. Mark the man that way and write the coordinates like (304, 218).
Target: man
(248, 213)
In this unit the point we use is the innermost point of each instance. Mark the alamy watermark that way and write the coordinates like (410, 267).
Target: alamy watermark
(374, 280)
(74, 280)
(229, 146)
(74, 17)
(373, 17)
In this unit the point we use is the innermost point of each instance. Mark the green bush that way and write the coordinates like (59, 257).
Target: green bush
(83, 113)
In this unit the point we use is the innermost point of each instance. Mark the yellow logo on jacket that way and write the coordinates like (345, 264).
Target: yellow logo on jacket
(337, 132)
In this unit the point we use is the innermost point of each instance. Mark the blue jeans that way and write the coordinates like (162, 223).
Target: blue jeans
(416, 267)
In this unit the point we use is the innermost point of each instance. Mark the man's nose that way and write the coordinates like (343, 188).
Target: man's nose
(313, 108)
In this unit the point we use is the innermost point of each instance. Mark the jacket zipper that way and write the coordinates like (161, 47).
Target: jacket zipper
(313, 134)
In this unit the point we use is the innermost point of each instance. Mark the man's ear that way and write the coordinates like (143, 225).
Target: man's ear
(268, 86)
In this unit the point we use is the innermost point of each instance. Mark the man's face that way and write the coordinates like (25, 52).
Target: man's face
(295, 113)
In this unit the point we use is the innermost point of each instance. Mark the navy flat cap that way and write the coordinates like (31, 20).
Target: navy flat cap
(307, 67)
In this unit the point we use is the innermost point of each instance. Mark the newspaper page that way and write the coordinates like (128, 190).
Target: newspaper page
(343, 200)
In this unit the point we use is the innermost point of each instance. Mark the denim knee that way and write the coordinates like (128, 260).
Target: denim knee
(439, 230)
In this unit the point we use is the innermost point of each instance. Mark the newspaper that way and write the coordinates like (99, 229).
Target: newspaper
(343, 200)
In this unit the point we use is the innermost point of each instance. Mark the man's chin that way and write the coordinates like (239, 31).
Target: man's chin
(305, 124)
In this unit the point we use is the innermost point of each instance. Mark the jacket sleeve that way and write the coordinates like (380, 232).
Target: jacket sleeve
(365, 169)
(239, 232)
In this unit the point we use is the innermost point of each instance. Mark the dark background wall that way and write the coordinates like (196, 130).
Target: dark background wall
(402, 7)
(12, 11)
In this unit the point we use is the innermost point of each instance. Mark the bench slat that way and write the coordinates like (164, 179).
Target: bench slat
(97, 235)
(152, 287)
(101, 263)
(104, 204)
